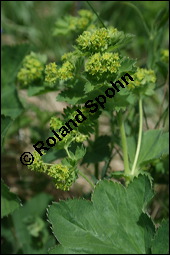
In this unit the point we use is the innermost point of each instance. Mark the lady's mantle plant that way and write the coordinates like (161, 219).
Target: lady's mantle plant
(116, 221)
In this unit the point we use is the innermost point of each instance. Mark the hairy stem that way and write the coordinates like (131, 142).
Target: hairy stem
(139, 137)
(87, 179)
(124, 143)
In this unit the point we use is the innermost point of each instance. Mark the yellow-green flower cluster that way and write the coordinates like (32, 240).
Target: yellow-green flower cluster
(85, 14)
(72, 56)
(51, 73)
(38, 165)
(75, 24)
(66, 72)
(63, 176)
(165, 56)
(84, 20)
(102, 64)
(81, 22)
(79, 138)
(73, 136)
(96, 40)
(59, 172)
(142, 78)
(32, 69)
(55, 123)
(67, 56)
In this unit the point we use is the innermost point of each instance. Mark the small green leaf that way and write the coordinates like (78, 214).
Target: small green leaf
(127, 66)
(88, 87)
(80, 152)
(9, 201)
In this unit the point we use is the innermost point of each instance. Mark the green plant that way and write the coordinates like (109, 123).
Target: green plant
(116, 220)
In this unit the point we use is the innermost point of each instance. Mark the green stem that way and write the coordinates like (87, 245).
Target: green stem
(96, 165)
(88, 2)
(66, 149)
(124, 143)
(139, 137)
(87, 179)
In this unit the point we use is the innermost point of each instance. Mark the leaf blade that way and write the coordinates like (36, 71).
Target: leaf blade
(102, 226)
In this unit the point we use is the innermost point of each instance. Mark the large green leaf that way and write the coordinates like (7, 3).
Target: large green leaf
(113, 223)
(154, 145)
(160, 244)
(30, 227)
(9, 201)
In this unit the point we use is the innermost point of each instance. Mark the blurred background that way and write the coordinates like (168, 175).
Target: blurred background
(33, 22)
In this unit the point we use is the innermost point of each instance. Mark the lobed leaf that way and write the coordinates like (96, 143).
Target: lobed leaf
(114, 222)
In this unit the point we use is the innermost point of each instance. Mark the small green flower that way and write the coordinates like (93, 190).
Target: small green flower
(32, 69)
(75, 24)
(63, 176)
(93, 41)
(80, 137)
(66, 72)
(142, 78)
(51, 73)
(59, 172)
(38, 165)
(67, 56)
(99, 65)
(144, 82)
(55, 123)
(86, 14)
(97, 40)
(81, 22)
